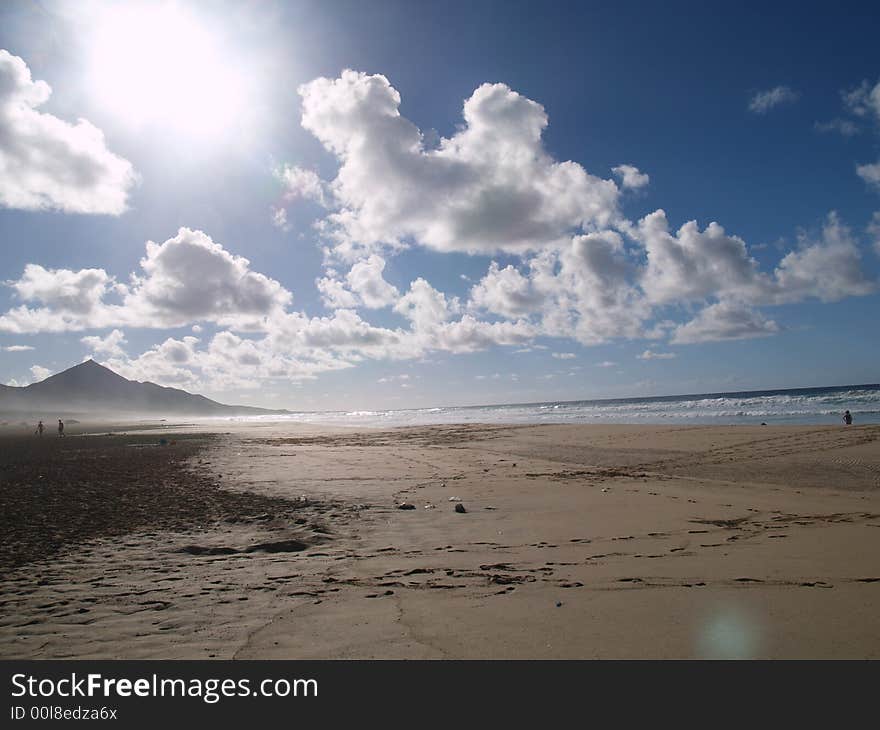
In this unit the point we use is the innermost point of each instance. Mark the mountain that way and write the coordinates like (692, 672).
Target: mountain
(90, 388)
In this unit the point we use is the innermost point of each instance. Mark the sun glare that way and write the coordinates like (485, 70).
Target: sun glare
(159, 65)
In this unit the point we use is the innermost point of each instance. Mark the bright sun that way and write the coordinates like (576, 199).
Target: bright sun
(158, 65)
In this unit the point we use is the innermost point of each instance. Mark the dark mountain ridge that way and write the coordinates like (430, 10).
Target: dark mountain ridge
(90, 388)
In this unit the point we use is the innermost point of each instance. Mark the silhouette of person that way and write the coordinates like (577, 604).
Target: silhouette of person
(847, 418)
(40, 428)
(60, 427)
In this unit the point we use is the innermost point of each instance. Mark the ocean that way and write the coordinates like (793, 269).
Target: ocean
(792, 406)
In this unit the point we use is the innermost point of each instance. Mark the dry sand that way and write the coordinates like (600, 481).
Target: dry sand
(282, 541)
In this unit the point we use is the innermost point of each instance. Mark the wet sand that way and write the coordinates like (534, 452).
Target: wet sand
(284, 541)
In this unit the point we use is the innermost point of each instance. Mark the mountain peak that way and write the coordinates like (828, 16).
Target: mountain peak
(91, 387)
(90, 363)
(83, 375)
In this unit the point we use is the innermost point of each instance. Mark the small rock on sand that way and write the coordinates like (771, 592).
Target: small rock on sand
(460, 509)
(406, 505)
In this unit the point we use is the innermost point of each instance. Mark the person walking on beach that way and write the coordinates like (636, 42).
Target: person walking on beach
(60, 427)
(40, 428)
(847, 418)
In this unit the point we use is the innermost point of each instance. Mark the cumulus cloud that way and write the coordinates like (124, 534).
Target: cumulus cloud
(469, 334)
(39, 373)
(723, 321)
(227, 361)
(365, 279)
(572, 266)
(828, 269)
(190, 278)
(425, 307)
(490, 187)
(79, 292)
(364, 285)
(583, 270)
(506, 292)
(301, 183)
(186, 279)
(110, 345)
(763, 101)
(564, 355)
(65, 299)
(47, 163)
(693, 264)
(631, 177)
(334, 294)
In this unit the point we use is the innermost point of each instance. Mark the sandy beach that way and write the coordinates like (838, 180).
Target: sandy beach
(283, 541)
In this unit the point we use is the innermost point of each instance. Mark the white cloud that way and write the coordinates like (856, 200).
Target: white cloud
(579, 272)
(110, 345)
(190, 278)
(651, 355)
(564, 355)
(506, 292)
(40, 373)
(364, 285)
(764, 101)
(17, 348)
(828, 269)
(426, 307)
(693, 264)
(186, 279)
(279, 219)
(344, 331)
(365, 279)
(67, 300)
(77, 292)
(227, 361)
(631, 177)
(864, 100)
(335, 295)
(301, 183)
(469, 334)
(870, 174)
(47, 163)
(606, 364)
(724, 321)
(490, 187)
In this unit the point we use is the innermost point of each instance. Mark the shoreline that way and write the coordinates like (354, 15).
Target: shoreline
(577, 541)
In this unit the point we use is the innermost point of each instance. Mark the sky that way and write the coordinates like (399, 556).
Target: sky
(348, 205)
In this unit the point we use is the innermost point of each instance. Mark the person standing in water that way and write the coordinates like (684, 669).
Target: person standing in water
(40, 428)
(60, 427)
(847, 418)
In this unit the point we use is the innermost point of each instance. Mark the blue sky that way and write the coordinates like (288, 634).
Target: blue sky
(389, 204)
